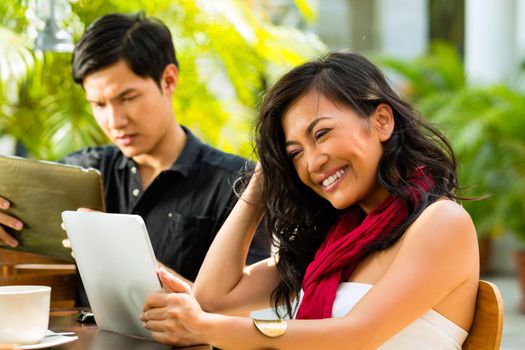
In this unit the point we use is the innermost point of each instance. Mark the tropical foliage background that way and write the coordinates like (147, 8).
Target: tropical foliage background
(485, 126)
(228, 51)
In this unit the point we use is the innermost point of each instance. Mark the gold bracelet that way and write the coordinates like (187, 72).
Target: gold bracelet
(271, 328)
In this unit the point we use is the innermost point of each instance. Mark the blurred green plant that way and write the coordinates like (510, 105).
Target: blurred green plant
(228, 53)
(485, 126)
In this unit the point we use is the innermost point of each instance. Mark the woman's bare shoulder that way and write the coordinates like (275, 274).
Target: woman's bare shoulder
(446, 209)
(444, 221)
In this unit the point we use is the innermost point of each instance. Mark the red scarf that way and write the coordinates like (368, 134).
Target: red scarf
(345, 246)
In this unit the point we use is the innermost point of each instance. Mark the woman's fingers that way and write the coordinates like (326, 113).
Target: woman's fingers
(155, 300)
(164, 330)
(172, 282)
(162, 305)
(155, 325)
(170, 316)
(169, 338)
(159, 314)
(169, 333)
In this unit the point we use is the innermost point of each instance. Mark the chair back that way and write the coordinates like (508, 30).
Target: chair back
(487, 327)
(25, 268)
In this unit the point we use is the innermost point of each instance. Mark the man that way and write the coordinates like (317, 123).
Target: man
(156, 168)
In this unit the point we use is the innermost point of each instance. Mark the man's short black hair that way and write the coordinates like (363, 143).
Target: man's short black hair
(145, 44)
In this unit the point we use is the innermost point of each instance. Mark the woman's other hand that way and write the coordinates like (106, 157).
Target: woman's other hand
(174, 316)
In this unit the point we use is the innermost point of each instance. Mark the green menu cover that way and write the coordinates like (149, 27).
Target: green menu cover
(39, 191)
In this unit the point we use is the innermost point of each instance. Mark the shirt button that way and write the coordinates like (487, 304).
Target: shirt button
(136, 192)
(133, 170)
(170, 215)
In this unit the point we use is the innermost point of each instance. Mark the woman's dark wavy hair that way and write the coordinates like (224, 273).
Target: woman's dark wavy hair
(296, 217)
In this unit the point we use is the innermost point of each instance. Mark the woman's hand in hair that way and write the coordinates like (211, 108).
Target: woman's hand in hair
(253, 192)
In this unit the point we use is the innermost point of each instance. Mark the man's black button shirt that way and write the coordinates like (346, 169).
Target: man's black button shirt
(183, 207)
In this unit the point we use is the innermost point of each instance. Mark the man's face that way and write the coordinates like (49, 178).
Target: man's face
(131, 110)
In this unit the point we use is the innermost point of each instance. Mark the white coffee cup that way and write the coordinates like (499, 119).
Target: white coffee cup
(24, 313)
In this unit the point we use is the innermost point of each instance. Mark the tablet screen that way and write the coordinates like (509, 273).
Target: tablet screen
(117, 265)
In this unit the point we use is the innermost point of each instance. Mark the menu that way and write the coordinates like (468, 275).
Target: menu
(39, 191)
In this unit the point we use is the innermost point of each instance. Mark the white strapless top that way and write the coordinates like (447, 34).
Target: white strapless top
(431, 331)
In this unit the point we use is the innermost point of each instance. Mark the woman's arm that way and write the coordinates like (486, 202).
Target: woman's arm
(438, 256)
(177, 319)
(224, 284)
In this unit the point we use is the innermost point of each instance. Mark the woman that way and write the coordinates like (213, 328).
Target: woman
(358, 193)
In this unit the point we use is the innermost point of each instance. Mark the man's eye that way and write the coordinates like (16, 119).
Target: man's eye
(97, 105)
(128, 98)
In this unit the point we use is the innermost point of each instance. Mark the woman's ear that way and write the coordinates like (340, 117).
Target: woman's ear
(383, 121)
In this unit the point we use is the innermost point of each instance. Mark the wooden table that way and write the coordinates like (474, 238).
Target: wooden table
(92, 338)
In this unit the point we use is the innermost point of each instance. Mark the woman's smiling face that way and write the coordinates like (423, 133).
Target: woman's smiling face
(335, 151)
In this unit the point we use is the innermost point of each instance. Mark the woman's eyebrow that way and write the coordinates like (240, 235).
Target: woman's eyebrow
(309, 129)
(312, 125)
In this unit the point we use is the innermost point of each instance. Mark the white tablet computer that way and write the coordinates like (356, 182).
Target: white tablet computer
(117, 265)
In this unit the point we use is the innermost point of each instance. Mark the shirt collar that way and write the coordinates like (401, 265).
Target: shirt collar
(189, 155)
(184, 163)
(124, 162)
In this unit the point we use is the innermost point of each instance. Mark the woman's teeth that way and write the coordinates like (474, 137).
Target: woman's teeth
(331, 179)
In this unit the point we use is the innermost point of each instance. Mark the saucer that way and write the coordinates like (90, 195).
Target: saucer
(51, 339)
